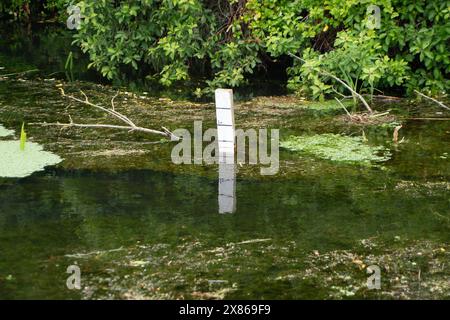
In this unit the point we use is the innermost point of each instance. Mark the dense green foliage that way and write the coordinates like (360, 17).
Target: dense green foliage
(228, 38)
(225, 41)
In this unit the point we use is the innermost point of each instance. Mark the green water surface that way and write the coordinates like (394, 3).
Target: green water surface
(140, 227)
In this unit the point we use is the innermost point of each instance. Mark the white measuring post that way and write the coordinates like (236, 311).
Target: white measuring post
(226, 143)
(225, 125)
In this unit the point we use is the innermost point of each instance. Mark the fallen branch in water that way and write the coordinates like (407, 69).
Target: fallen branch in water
(431, 119)
(18, 73)
(254, 241)
(432, 99)
(325, 73)
(362, 118)
(345, 109)
(376, 96)
(379, 114)
(131, 126)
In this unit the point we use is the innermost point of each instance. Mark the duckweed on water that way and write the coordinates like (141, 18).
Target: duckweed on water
(337, 148)
(15, 163)
(5, 132)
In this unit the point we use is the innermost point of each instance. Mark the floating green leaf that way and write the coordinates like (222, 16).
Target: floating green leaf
(23, 137)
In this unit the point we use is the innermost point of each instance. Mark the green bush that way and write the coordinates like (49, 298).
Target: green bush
(410, 49)
(171, 37)
(223, 42)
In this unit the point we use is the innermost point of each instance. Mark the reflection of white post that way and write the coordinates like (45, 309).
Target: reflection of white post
(227, 188)
(226, 142)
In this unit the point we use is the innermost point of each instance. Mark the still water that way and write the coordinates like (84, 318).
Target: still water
(141, 233)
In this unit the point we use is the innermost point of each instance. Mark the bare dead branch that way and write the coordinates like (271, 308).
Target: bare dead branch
(432, 99)
(112, 101)
(429, 119)
(18, 73)
(380, 114)
(110, 126)
(130, 124)
(342, 105)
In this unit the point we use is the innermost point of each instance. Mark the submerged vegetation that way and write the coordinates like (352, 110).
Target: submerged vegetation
(410, 270)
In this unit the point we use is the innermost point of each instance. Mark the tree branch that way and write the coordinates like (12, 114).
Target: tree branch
(434, 100)
(130, 124)
(18, 73)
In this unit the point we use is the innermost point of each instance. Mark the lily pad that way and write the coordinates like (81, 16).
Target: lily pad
(5, 132)
(15, 163)
(338, 148)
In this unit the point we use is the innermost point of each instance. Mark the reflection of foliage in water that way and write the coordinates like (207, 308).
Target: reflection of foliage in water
(171, 234)
(45, 47)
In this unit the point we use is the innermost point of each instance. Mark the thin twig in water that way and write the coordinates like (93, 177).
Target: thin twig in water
(85, 255)
(254, 241)
(18, 73)
(376, 96)
(432, 99)
(342, 105)
(112, 101)
(379, 114)
(360, 97)
(431, 119)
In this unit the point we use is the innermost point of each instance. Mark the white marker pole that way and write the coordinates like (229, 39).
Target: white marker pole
(226, 142)
(225, 125)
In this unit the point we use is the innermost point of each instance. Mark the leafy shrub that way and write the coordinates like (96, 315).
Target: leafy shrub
(409, 50)
(224, 41)
(172, 37)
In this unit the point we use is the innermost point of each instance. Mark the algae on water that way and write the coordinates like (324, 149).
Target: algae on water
(338, 148)
(15, 163)
(5, 132)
